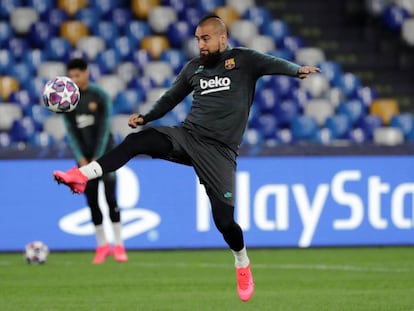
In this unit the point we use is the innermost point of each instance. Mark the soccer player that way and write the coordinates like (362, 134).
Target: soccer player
(88, 128)
(223, 81)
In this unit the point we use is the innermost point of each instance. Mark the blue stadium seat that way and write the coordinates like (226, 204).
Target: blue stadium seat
(368, 124)
(41, 139)
(17, 46)
(89, 16)
(285, 111)
(301, 97)
(252, 137)
(106, 30)
(6, 32)
(137, 30)
(176, 58)
(40, 33)
(191, 16)
(332, 71)
(403, 121)
(178, 5)
(108, 60)
(23, 99)
(125, 47)
(323, 137)
(277, 29)
(42, 7)
(141, 58)
(7, 61)
(39, 115)
(142, 83)
(121, 17)
(34, 58)
(304, 128)
(260, 16)
(394, 16)
(6, 7)
(126, 71)
(5, 140)
(34, 87)
(354, 109)
(367, 95)
(126, 102)
(178, 32)
(22, 129)
(267, 99)
(349, 84)
(104, 7)
(206, 6)
(283, 85)
(267, 125)
(22, 72)
(339, 125)
(292, 43)
(283, 53)
(58, 49)
(56, 17)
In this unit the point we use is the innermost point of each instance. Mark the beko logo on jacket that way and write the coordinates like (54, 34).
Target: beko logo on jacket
(216, 84)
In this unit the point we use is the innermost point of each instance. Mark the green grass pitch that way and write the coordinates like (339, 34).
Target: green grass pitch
(348, 279)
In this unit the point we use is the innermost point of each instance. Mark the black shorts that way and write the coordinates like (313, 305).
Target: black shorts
(214, 163)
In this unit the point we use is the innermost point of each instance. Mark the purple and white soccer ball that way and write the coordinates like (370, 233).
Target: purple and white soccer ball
(60, 94)
(36, 252)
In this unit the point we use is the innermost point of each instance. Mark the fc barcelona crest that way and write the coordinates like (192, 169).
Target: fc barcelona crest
(229, 63)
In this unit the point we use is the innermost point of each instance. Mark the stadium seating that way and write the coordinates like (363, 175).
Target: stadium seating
(320, 109)
(243, 31)
(50, 69)
(385, 109)
(91, 45)
(155, 44)
(407, 31)
(240, 5)
(160, 18)
(73, 30)
(22, 18)
(72, 6)
(135, 48)
(9, 112)
(228, 14)
(8, 85)
(389, 136)
(55, 127)
(141, 8)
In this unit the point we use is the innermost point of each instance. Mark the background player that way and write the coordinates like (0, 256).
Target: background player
(88, 129)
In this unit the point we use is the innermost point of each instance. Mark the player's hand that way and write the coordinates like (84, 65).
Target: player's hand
(135, 120)
(305, 71)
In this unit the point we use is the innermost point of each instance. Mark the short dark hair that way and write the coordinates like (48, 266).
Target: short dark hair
(208, 16)
(77, 63)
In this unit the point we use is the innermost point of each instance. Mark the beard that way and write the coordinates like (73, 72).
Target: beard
(209, 59)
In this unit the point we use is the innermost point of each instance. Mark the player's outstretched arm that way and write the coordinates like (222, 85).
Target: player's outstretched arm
(135, 120)
(305, 71)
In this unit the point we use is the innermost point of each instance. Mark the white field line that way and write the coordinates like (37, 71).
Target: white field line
(287, 266)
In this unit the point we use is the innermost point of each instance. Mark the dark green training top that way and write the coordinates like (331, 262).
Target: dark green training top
(88, 126)
(223, 93)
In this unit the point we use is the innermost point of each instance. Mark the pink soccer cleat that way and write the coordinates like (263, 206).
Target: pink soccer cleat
(72, 178)
(101, 253)
(119, 253)
(245, 284)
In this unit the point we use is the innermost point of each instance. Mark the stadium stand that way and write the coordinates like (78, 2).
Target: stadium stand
(135, 48)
